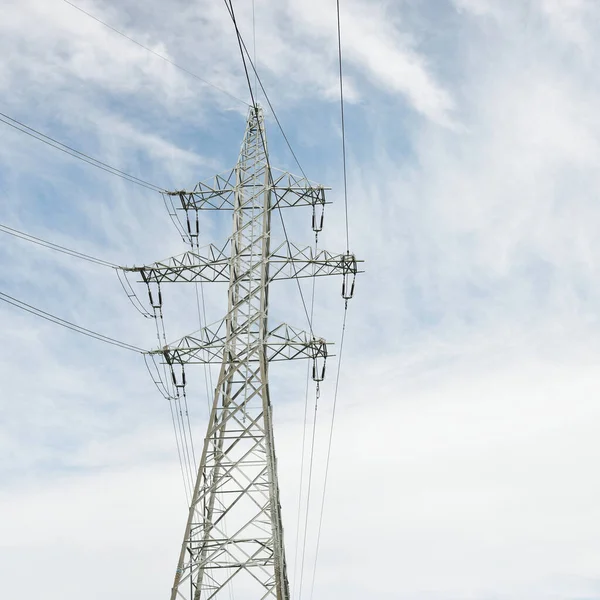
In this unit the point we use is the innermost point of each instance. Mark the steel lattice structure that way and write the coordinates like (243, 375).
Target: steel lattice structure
(237, 478)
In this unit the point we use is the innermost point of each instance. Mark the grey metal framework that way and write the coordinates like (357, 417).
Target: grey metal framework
(233, 540)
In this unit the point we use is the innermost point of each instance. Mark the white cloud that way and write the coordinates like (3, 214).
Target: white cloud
(570, 19)
(452, 485)
(465, 441)
(376, 44)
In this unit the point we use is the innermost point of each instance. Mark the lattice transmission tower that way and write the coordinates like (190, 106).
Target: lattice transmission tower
(233, 542)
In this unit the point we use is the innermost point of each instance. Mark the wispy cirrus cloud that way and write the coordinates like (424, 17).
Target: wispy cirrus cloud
(465, 435)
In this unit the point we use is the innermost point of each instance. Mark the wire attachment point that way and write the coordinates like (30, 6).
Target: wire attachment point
(193, 228)
(319, 359)
(349, 269)
(156, 297)
(317, 218)
(178, 383)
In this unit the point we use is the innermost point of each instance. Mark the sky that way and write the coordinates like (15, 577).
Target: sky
(465, 445)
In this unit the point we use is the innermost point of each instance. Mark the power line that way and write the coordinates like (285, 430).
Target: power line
(243, 48)
(67, 324)
(44, 243)
(342, 337)
(339, 33)
(76, 153)
(343, 125)
(161, 56)
(335, 397)
(244, 52)
(254, 37)
(262, 87)
(177, 414)
(183, 475)
(129, 291)
(300, 485)
(309, 488)
(131, 295)
(305, 422)
(285, 137)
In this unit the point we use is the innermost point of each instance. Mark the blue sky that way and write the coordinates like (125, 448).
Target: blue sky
(466, 446)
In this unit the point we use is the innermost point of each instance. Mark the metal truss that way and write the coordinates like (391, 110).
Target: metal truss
(233, 540)
(210, 344)
(288, 262)
(287, 191)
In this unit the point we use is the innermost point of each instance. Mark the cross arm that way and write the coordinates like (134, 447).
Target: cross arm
(219, 193)
(210, 343)
(215, 194)
(290, 261)
(288, 343)
(211, 265)
(290, 190)
(203, 347)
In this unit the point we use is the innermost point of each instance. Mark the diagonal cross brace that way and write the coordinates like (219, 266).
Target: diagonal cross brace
(288, 261)
(212, 265)
(219, 193)
(210, 343)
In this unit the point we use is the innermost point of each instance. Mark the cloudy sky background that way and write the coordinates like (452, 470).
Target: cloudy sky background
(465, 454)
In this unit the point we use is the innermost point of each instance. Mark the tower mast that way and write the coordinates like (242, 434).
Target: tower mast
(237, 480)
(233, 539)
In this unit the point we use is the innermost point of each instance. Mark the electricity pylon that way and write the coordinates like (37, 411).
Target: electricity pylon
(233, 540)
